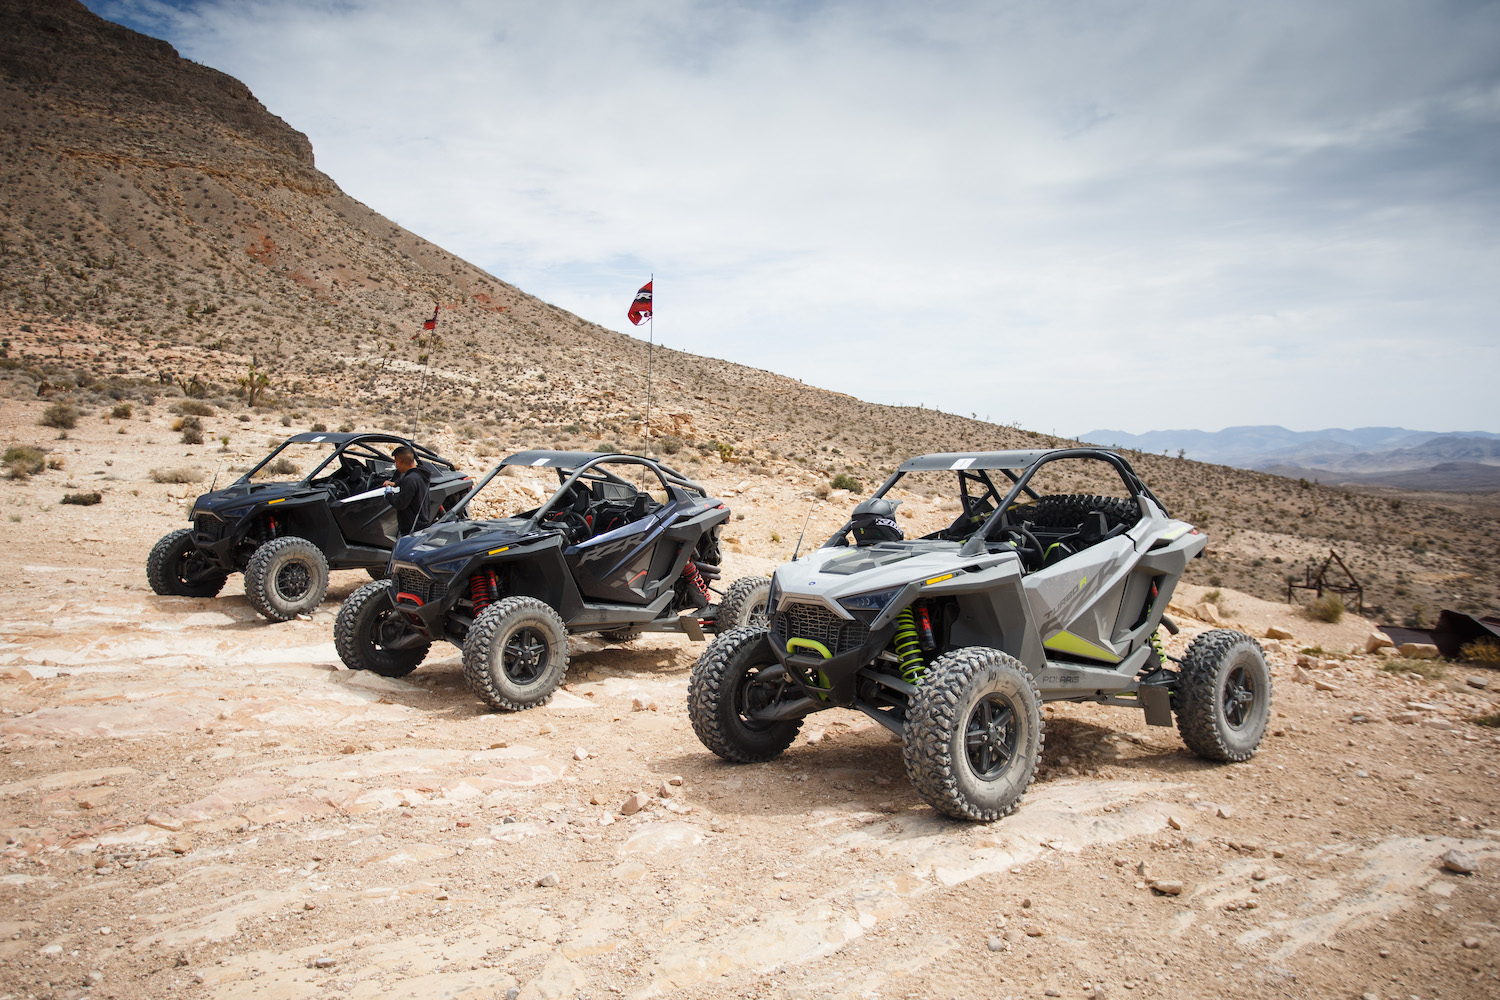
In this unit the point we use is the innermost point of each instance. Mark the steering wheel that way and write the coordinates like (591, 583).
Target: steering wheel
(1025, 542)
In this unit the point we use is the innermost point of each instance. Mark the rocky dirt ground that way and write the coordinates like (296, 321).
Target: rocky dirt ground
(194, 802)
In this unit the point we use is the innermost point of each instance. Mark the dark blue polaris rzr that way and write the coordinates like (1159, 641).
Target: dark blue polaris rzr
(603, 554)
(285, 534)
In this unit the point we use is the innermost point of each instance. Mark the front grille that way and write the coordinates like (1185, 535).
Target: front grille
(815, 622)
(409, 581)
(207, 528)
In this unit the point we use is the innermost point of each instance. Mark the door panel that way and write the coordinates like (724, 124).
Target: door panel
(615, 566)
(1080, 596)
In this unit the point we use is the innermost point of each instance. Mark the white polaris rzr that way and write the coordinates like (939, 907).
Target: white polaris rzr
(1049, 585)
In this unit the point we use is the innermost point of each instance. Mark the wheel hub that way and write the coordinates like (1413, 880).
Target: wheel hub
(293, 580)
(990, 735)
(1239, 695)
(525, 655)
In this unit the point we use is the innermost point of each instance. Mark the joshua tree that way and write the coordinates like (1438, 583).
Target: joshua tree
(254, 383)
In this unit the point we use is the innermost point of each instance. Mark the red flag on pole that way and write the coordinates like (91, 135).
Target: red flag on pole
(430, 324)
(640, 309)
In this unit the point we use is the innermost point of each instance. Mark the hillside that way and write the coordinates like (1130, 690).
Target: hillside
(161, 229)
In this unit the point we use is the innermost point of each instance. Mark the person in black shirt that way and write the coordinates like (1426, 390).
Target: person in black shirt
(408, 493)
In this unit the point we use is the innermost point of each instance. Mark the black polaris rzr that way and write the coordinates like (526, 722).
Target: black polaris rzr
(602, 554)
(286, 535)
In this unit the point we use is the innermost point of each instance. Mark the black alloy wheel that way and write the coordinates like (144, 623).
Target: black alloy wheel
(990, 736)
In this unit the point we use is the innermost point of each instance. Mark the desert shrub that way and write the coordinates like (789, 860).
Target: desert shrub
(286, 420)
(346, 428)
(670, 444)
(23, 461)
(192, 430)
(844, 481)
(83, 499)
(283, 466)
(121, 411)
(1328, 608)
(185, 474)
(318, 427)
(1485, 652)
(1212, 596)
(1491, 719)
(60, 415)
(194, 408)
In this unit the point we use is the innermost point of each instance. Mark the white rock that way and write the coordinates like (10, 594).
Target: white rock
(1461, 862)
(1377, 640)
(1419, 651)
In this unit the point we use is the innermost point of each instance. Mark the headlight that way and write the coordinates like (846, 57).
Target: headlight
(874, 601)
(450, 567)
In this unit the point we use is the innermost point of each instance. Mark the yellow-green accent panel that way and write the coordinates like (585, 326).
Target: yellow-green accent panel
(1067, 642)
(793, 645)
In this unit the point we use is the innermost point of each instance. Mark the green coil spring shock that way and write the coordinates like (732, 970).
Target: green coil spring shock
(1161, 651)
(908, 648)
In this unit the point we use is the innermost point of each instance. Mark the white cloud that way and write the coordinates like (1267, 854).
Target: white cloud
(1131, 215)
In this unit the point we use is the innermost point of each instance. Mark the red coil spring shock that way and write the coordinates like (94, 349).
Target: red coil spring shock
(483, 589)
(695, 580)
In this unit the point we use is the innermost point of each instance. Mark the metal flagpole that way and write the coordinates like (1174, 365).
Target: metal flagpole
(650, 349)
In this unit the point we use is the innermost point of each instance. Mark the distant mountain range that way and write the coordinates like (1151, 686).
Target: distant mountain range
(1467, 461)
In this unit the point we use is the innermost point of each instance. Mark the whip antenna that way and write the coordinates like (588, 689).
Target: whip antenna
(804, 533)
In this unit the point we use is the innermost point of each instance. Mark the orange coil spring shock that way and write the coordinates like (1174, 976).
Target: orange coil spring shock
(483, 589)
(695, 580)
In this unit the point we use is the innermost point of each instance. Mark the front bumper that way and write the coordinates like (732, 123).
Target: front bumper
(822, 652)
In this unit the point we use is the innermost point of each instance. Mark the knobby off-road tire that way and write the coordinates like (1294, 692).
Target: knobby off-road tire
(974, 734)
(621, 634)
(286, 577)
(366, 621)
(171, 569)
(1223, 700)
(725, 684)
(516, 654)
(744, 603)
(1068, 510)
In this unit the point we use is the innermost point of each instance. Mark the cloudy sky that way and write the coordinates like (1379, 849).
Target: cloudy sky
(1071, 215)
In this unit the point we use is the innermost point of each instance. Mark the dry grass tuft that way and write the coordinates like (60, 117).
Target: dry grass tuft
(185, 474)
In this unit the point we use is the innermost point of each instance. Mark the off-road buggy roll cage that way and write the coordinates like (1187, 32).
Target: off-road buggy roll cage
(985, 510)
(585, 466)
(361, 444)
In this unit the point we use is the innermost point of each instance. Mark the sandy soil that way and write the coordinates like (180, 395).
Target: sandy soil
(197, 803)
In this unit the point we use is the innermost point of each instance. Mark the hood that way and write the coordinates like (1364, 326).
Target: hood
(237, 495)
(827, 575)
(448, 541)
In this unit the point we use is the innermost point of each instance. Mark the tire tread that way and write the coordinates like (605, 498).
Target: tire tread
(1198, 695)
(705, 698)
(932, 716)
(259, 564)
(482, 637)
(346, 633)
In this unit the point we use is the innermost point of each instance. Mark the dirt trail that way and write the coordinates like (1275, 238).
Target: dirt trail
(197, 803)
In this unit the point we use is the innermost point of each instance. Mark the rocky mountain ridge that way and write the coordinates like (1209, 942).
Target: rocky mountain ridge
(1359, 451)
